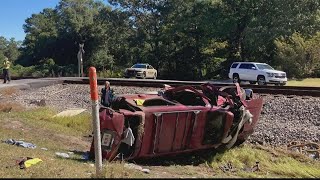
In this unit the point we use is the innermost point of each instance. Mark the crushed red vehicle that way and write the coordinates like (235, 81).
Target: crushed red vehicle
(176, 120)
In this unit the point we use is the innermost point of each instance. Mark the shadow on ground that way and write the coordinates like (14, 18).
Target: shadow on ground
(195, 159)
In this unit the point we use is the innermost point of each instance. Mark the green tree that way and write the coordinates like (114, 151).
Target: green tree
(255, 24)
(9, 49)
(299, 56)
(183, 39)
(41, 37)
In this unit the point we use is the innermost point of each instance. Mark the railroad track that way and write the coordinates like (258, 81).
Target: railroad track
(285, 90)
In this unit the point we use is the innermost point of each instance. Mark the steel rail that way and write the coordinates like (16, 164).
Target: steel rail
(285, 90)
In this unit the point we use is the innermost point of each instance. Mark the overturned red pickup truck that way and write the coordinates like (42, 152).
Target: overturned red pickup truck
(177, 120)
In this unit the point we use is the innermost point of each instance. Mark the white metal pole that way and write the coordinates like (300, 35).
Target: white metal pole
(81, 67)
(79, 63)
(96, 121)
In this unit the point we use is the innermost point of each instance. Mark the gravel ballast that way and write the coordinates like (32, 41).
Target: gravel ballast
(283, 119)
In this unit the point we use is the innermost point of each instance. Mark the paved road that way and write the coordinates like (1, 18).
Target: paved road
(31, 83)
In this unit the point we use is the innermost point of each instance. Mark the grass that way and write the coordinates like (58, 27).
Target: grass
(10, 106)
(44, 117)
(272, 162)
(9, 91)
(37, 126)
(5, 105)
(118, 170)
(314, 82)
(58, 134)
(64, 134)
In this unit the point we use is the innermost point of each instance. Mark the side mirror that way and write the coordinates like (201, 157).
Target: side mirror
(253, 68)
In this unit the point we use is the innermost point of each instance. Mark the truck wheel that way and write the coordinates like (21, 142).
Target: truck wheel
(236, 78)
(261, 80)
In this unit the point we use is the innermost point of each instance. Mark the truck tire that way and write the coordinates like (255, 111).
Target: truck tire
(144, 75)
(236, 78)
(261, 80)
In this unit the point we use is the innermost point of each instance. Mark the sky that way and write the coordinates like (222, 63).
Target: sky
(13, 14)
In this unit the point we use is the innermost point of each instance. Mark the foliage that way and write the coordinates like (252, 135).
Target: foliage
(111, 73)
(299, 56)
(9, 49)
(182, 39)
(102, 60)
(21, 71)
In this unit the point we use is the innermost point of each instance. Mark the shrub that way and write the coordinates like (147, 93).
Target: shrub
(21, 71)
(299, 56)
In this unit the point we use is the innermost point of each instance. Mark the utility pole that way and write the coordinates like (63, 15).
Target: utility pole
(80, 59)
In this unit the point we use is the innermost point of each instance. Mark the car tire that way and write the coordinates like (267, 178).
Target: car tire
(236, 78)
(252, 82)
(144, 75)
(155, 76)
(261, 80)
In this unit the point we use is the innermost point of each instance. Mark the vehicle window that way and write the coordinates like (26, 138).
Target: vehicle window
(139, 66)
(243, 66)
(264, 66)
(234, 65)
(251, 66)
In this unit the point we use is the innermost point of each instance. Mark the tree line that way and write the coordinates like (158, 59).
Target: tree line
(182, 39)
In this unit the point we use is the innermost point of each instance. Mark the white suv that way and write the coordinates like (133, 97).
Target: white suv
(256, 72)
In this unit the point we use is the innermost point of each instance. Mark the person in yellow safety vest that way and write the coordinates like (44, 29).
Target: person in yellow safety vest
(6, 73)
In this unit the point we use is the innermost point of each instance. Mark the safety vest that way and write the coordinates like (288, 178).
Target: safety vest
(6, 64)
